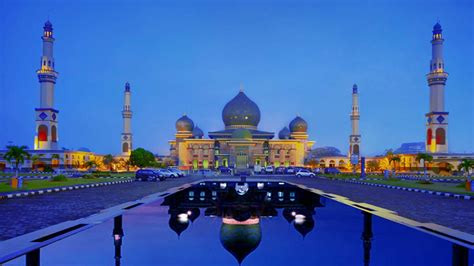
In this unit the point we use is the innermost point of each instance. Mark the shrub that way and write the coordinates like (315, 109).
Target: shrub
(59, 178)
(424, 182)
(89, 176)
(98, 175)
(48, 169)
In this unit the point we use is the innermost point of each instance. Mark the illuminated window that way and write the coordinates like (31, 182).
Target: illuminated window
(440, 136)
(43, 133)
(429, 134)
(54, 134)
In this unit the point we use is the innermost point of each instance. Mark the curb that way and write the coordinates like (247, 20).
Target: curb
(59, 189)
(431, 192)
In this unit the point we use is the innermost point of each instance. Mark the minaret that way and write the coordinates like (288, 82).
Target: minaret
(46, 137)
(354, 138)
(437, 118)
(127, 122)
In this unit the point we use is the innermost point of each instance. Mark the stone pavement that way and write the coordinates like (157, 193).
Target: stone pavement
(24, 215)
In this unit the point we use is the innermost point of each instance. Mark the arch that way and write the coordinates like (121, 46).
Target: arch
(356, 149)
(54, 134)
(332, 163)
(205, 164)
(429, 136)
(42, 133)
(125, 147)
(440, 136)
(195, 164)
(342, 163)
(225, 162)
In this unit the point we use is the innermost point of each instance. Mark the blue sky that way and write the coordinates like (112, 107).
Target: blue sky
(293, 57)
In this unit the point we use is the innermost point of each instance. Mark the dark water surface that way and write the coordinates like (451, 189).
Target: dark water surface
(276, 224)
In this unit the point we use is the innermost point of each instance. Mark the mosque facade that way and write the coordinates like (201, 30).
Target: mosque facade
(241, 144)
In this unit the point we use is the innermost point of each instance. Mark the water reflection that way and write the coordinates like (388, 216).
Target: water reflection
(241, 205)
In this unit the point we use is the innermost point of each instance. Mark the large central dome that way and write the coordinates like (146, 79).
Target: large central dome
(241, 112)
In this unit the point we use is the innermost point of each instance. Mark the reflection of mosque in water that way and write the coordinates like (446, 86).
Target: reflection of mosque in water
(241, 205)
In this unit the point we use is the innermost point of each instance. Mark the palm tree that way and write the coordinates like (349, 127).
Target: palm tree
(108, 160)
(55, 157)
(90, 164)
(466, 165)
(391, 157)
(16, 154)
(35, 159)
(426, 158)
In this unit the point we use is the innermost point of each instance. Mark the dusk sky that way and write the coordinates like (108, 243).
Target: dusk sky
(293, 57)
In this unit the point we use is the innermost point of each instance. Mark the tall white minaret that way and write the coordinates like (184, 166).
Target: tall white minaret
(46, 137)
(437, 118)
(127, 122)
(354, 138)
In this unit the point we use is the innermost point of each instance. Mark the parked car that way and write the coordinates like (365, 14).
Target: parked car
(269, 169)
(317, 170)
(176, 171)
(280, 170)
(205, 172)
(331, 170)
(148, 175)
(167, 173)
(290, 170)
(224, 170)
(305, 172)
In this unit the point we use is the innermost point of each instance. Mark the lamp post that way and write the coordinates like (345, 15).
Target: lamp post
(118, 235)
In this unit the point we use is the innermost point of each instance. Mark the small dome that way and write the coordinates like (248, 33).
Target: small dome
(48, 26)
(127, 86)
(284, 133)
(241, 111)
(241, 134)
(240, 240)
(84, 149)
(184, 124)
(298, 125)
(437, 28)
(197, 133)
(354, 89)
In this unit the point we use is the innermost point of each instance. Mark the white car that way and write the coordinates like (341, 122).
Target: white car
(305, 172)
(269, 170)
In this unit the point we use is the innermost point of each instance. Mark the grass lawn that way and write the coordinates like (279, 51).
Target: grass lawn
(443, 187)
(41, 184)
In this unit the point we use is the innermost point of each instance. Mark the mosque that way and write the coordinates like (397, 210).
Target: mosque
(241, 144)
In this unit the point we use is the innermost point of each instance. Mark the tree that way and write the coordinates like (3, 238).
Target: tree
(55, 157)
(373, 166)
(142, 158)
(90, 164)
(392, 158)
(426, 158)
(466, 165)
(17, 155)
(36, 158)
(108, 160)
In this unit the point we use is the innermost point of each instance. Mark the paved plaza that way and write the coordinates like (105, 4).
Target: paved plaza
(33, 213)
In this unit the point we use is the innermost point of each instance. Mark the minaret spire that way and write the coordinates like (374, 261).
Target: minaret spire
(127, 122)
(354, 138)
(46, 137)
(437, 118)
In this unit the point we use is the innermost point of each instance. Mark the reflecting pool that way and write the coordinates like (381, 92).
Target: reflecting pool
(232, 223)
